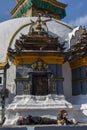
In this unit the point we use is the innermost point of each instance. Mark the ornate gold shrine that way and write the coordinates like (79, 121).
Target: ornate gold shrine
(37, 44)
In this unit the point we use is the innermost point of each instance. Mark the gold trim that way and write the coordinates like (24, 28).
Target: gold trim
(12, 38)
(79, 80)
(32, 59)
(3, 65)
(18, 79)
(56, 78)
(17, 6)
(61, 79)
(61, 22)
(78, 63)
(56, 3)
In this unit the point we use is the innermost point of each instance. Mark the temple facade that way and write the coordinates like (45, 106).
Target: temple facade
(42, 63)
(39, 57)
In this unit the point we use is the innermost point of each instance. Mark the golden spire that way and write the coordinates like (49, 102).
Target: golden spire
(39, 27)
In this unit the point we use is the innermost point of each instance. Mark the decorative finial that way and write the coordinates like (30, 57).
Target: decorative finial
(83, 29)
(38, 27)
(84, 33)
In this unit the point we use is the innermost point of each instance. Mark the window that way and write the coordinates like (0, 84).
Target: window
(1, 79)
(26, 87)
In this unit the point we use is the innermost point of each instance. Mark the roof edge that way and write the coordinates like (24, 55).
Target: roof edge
(23, 6)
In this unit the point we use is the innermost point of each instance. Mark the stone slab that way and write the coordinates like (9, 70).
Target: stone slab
(83, 127)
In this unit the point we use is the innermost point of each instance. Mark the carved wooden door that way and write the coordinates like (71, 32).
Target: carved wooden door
(40, 85)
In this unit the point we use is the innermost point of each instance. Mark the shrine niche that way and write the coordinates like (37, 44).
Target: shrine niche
(39, 77)
(40, 85)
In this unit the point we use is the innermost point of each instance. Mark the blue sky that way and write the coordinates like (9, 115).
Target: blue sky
(76, 11)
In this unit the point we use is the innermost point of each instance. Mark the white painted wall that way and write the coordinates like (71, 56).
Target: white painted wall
(67, 83)
(11, 75)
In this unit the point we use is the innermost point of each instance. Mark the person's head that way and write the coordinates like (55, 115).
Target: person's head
(63, 113)
(29, 116)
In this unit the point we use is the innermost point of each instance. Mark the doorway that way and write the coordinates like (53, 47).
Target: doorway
(39, 85)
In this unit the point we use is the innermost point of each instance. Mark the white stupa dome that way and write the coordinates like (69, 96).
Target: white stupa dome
(10, 30)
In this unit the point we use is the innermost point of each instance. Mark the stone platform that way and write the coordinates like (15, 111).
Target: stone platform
(82, 127)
